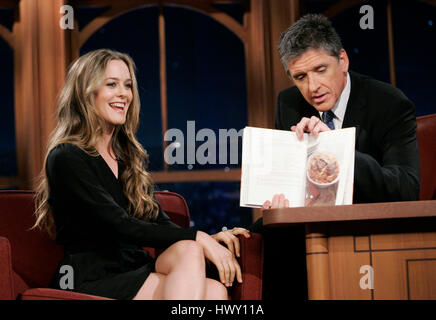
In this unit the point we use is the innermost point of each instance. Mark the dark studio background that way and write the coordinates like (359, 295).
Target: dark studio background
(206, 80)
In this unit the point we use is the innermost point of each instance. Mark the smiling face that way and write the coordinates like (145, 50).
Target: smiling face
(113, 98)
(320, 77)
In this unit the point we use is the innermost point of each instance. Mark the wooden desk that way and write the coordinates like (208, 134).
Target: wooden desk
(395, 241)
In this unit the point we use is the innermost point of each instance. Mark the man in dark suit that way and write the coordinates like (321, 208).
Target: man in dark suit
(326, 96)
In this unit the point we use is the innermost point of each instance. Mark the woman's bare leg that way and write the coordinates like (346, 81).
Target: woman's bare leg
(152, 287)
(180, 274)
(215, 290)
(184, 265)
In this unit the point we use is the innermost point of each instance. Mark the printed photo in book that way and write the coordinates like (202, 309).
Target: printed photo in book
(311, 172)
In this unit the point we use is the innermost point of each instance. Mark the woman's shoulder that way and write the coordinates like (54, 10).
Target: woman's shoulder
(65, 149)
(66, 152)
(68, 159)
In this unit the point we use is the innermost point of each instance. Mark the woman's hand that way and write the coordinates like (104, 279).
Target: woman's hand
(230, 239)
(221, 257)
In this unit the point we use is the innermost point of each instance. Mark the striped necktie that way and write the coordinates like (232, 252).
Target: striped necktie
(328, 119)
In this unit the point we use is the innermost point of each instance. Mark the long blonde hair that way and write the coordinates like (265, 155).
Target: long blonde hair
(78, 123)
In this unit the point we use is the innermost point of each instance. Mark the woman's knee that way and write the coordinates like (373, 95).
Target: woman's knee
(215, 290)
(189, 249)
(186, 253)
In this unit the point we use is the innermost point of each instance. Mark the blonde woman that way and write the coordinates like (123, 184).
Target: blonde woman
(96, 197)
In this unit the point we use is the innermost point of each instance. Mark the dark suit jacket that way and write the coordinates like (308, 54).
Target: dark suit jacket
(387, 159)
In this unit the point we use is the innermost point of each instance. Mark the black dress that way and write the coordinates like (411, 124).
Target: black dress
(102, 241)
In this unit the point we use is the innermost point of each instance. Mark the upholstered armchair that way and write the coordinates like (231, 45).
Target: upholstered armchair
(28, 258)
(427, 154)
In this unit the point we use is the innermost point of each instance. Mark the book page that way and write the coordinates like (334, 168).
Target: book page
(330, 168)
(349, 184)
(273, 162)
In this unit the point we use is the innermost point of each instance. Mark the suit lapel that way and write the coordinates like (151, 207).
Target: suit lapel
(356, 104)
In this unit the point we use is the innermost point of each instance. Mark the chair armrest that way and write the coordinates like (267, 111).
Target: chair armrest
(251, 262)
(6, 276)
(55, 294)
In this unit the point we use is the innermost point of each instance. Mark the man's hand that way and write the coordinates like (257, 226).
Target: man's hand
(314, 126)
(278, 201)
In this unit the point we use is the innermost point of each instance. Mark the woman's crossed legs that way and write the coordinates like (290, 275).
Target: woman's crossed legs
(181, 275)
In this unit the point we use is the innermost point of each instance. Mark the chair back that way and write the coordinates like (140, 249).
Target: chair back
(34, 255)
(175, 206)
(426, 133)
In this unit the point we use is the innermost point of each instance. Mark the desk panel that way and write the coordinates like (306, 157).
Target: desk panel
(367, 251)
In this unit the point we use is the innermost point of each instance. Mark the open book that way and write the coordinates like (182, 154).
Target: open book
(310, 172)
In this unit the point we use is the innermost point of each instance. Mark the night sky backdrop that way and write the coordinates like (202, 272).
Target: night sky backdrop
(206, 80)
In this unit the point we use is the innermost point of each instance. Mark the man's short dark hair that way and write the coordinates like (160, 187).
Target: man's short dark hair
(312, 31)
